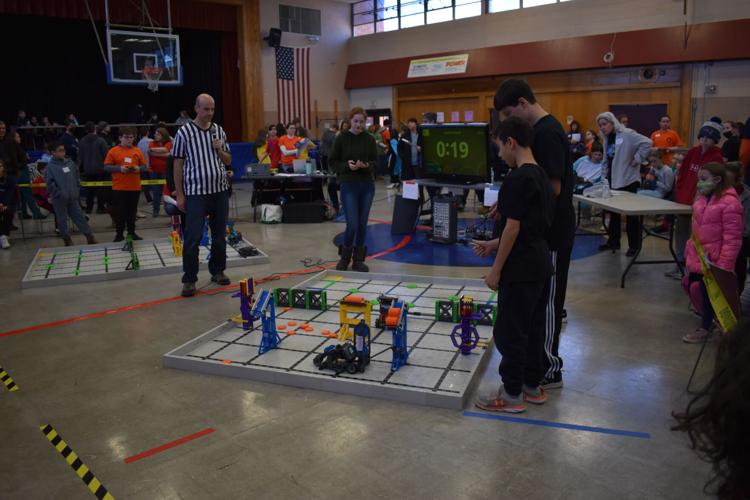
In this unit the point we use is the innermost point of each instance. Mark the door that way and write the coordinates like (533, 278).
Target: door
(643, 118)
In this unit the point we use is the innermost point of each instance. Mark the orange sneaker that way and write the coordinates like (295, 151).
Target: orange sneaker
(535, 396)
(502, 402)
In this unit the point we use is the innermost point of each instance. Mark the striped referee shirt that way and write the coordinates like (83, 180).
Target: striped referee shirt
(203, 171)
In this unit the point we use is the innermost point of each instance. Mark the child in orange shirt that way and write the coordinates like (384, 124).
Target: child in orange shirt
(125, 162)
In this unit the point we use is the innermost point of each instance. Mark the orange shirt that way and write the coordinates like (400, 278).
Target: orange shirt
(126, 157)
(288, 143)
(666, 139)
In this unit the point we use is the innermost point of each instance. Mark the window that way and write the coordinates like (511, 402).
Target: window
(299, 20)
(387, 15)
(439, 11)
(376, 16)
(467, 8)
(412, 13)
(503, 5)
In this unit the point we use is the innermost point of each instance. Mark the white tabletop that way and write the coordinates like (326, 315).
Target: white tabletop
(625, 203)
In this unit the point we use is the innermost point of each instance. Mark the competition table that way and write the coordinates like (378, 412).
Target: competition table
(630, 204)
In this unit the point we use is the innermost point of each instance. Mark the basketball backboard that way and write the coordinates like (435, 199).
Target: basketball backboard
(133, 56)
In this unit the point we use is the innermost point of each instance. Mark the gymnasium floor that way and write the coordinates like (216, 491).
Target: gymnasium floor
(100, 384)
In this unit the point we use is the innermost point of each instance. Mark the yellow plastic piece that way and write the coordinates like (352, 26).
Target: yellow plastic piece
(352, 305)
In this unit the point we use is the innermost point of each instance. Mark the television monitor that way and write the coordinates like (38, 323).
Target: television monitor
(456, 153)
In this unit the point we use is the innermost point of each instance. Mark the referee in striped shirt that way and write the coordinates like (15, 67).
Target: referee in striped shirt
(201, 157)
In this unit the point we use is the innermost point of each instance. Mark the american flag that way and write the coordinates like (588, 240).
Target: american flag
(293, 84)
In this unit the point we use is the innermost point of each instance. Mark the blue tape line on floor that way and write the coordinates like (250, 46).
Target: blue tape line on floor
(558, 425)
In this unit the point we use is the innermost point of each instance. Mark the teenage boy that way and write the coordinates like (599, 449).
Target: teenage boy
(552, 153)
(63, 186)
(521, 271)
(125, 162)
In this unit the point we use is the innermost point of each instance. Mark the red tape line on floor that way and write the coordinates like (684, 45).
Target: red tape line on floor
(300, 272)
(167, 446)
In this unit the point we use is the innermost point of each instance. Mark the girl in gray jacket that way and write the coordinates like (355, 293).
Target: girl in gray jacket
(624, 151)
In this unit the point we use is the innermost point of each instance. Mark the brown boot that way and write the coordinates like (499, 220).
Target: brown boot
(90, 239)
(68, 241)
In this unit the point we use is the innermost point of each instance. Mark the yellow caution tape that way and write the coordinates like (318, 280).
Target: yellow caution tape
(724, 313)
(82, 471)
(149, 182)
(7, 380)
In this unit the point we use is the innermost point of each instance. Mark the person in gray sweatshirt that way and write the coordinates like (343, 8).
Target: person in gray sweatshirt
(659, 182)
(624, 151)
(61, 177)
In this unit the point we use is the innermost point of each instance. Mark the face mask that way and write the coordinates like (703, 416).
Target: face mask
(706, 187)
(728, 135)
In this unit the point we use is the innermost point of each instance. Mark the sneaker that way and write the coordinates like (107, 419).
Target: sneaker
(565, 316)
(155, 215)
(4, 243)
(136, 237)
(535, 396)
(632, 252)
(221, 279)
(606, 246)
(554, 382)
(118, 238)
(188, 289)
(699, 336)
(675, 274)
(392, 185)
(501, 402)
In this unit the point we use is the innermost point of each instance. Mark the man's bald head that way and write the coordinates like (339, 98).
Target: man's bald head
(204, 109)
(204, 99)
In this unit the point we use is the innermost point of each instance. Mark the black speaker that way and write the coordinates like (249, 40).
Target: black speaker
(274, 37)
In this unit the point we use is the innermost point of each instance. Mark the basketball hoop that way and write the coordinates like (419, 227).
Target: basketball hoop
(152, 74)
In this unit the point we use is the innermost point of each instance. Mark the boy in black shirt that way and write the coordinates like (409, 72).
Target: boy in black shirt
(521, 271)
(550, 149)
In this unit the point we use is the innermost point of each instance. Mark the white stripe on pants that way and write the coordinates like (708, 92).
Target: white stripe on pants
(549, 320)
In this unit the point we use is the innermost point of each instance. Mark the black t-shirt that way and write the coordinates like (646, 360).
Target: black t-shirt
(552, 153)
(526, 196)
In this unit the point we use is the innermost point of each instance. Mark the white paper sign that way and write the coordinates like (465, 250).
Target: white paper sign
(490, 196)
(447, 65)
(440, 117)
(411, 190)
(66, 169)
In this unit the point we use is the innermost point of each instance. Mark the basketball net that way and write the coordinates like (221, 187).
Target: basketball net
(152, 74)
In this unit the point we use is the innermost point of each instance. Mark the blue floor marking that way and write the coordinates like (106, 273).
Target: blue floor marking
(558, 425)
(424, 252)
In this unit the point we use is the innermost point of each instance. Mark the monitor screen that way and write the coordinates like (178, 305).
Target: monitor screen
(456, 153)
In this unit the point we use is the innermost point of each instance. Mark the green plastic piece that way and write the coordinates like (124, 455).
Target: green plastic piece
(353, 290)
(412, 285)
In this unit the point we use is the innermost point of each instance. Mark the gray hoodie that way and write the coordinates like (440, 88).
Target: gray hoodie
(62, 179)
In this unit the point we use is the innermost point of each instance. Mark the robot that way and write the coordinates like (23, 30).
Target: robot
(347, 357)
(395, 320)
(465, 335)
(265, 311)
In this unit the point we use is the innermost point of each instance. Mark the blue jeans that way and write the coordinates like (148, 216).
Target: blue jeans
(156, 191)
(356, 197)
(197, 207)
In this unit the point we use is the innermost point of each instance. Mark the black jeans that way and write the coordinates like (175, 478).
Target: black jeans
(125, 204)
(519, 333)
(100, 193)
(632, 224)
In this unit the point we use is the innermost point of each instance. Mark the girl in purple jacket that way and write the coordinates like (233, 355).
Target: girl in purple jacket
(718, 225)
